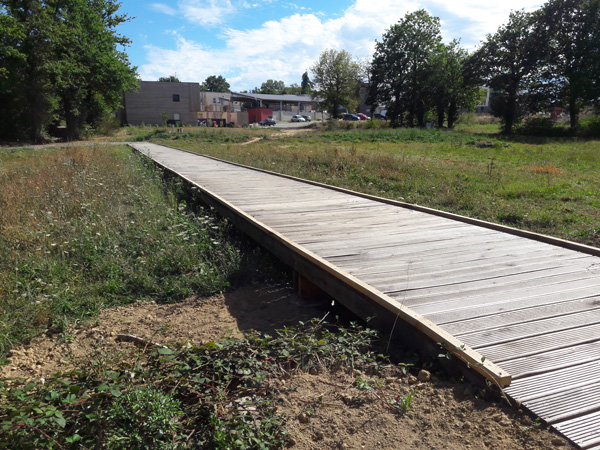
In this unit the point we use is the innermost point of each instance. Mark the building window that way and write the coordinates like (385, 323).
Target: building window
(175, 97)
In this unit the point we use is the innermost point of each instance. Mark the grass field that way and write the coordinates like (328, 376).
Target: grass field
(549, 186)
(89, 227)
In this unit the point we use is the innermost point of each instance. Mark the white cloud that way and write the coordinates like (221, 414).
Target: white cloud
(476, 19)
(283, 49)
(207, 12)
(165, 9)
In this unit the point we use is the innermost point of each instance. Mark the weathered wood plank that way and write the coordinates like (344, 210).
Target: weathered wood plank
(536, 312)
(539, 344)
(503, 286)
(568, 357)
(538, 386)
(530, 328)
(583, 430)
(455, 309)
(562, 406)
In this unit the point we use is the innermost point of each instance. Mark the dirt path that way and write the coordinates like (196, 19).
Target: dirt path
(324, 411)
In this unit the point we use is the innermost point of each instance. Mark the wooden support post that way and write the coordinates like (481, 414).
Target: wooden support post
(307, 290)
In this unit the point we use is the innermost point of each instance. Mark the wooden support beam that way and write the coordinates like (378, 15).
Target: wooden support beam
(307, 290)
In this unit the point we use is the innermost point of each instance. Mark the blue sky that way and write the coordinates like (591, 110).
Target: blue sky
(251, 41)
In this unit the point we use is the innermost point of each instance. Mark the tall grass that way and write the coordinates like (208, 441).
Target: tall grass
(90, 227)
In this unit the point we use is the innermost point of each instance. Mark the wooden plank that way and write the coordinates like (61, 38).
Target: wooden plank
(584, 430)
(469, 273)
(562, 406)
(567, 357)
(538, 386)
(419, 244)
(523, 315)
(539, 344)
(455, 309)
(503, 286)
(528, 329)
(421, 293)
(446, 262)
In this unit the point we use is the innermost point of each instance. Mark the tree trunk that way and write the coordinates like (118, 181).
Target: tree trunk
(452, 114)
(440, 116)
(510, 113)
(573, 112)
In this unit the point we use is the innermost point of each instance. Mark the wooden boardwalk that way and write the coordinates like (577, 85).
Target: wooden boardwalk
(528, 310)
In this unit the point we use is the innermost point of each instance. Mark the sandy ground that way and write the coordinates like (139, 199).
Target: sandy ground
(324, 410)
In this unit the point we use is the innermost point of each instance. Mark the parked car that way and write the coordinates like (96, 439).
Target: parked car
(363, 116)
(351, 117)
(307, 118)
(298, 118)
(267, 122)
(379, 116)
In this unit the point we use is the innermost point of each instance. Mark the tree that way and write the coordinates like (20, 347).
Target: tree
(336, 81)
(272, 87)
(450, 84)
(509, 62)
(169, 79)
(572, 63)
(401, 68)
(306, 84)
(64, 65)
(293, 89)
(216, 84)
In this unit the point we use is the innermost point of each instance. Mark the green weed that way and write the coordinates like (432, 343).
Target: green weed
(218, 395)
(402, 404)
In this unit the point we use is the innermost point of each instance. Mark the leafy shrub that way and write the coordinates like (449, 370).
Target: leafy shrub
(590, 127)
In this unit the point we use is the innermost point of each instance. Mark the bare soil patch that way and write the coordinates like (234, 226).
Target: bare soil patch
(323, 410)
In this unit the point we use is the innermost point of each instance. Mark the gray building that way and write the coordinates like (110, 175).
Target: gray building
(157, 101)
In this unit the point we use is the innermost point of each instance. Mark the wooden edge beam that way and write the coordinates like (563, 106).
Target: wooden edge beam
(456, 347)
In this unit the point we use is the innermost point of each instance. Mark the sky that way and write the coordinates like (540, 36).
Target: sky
(251, 41)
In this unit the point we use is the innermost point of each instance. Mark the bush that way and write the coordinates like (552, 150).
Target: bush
(590, 127)
(541, 126)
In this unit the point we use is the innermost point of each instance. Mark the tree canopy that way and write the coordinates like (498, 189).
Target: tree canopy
(169, 79)
(571, 67)
(272, 87)
(216, 83)
(336, 81)
(306, 85)
(60, 62)
(509, 61)
(401, 67)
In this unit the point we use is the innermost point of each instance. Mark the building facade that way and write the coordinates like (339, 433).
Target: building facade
(160, 103)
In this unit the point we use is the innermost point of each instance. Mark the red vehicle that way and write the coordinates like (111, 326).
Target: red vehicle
(363, 116)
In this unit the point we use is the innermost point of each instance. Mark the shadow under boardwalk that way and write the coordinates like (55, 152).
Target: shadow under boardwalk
(521, 309)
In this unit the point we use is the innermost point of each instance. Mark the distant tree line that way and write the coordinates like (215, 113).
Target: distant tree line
(539, 60)
(60, 63)
(278, 87)
(549, 57)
